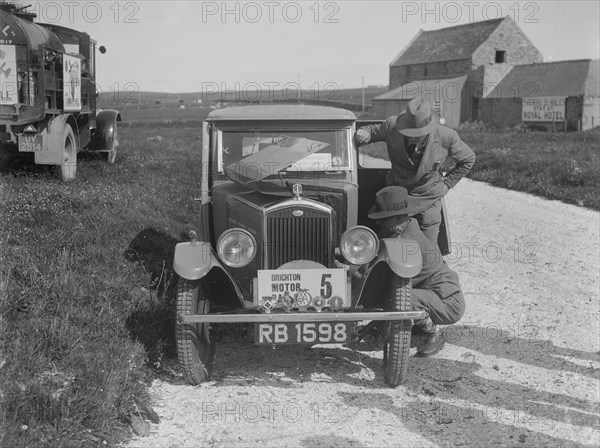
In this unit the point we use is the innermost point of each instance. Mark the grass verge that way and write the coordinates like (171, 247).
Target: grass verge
(86, 297)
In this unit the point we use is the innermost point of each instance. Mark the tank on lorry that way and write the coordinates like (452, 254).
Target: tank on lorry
(48, 93)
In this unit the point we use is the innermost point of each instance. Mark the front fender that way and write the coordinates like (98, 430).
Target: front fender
(193, 261)
(402, 255)
(105, 138)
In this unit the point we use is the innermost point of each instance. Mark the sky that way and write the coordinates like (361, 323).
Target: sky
(202, 46)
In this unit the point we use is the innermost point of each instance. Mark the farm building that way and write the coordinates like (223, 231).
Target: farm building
(563, 95)
(483, 52)
(461, 69)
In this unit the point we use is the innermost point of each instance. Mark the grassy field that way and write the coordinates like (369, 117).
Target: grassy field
(160, 107)
(164, 114)
(264, 93)
(563, 166)
(86, 287)
(86, 282)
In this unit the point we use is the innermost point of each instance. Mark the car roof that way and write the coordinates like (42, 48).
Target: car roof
(280, 112)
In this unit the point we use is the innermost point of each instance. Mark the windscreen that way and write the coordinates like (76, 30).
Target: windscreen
(259, 154)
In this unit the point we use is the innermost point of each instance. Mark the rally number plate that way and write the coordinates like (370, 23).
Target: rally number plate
(302, 288)
(302, 333)
(31, 143)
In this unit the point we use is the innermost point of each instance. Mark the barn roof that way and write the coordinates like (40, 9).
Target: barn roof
(446, 87)
(561, 78)
(447, 44)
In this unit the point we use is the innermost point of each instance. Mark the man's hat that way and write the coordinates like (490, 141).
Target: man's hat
(391, 201)
(418, 119)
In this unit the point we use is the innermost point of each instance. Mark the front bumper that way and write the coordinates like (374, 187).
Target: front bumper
(345, 316)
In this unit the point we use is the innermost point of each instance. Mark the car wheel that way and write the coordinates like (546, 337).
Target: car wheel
(68, 165)
(195, 346)
(396, 340)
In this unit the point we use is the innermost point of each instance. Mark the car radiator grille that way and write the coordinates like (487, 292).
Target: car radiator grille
(298, 238)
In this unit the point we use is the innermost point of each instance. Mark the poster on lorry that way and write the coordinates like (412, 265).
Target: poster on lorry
(71, 83)
(8, 75)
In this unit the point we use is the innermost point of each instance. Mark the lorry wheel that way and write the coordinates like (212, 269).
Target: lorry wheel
(195, 347)
(68, 167)
(111, 156)
(396, 341)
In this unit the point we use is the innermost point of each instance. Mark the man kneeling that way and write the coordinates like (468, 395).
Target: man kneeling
(436, 288)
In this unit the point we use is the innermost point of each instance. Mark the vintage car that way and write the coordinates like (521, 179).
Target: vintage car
(283, 242)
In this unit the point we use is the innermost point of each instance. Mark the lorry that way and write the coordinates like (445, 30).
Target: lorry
(48, 95)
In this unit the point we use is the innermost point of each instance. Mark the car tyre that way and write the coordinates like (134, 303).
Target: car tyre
(195, 346)
(396, 339)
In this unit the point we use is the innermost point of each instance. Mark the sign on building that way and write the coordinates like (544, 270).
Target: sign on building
(72, 83)
(8, 75)
(548, 108)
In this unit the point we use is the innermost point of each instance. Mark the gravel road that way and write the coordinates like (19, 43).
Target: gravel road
(522, 367)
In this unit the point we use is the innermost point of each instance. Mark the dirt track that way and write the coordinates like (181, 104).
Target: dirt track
(522, 367)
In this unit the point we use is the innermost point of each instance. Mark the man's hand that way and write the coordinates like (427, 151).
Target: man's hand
(447, 189)
(362, 137)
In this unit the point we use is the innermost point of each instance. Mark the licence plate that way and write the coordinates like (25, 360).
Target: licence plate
(302, 333)
(31, 143)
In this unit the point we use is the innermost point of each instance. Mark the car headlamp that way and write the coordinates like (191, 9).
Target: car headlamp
(359, 245)
(236, 247)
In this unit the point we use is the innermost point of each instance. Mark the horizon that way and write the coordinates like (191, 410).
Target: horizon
(381, 86)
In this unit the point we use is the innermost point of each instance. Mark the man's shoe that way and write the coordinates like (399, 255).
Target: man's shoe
(420, 330)
(433, 343)
(416, 340)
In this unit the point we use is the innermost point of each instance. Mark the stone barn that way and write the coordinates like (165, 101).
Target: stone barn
(475, 57)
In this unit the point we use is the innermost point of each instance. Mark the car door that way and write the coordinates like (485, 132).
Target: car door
(373, 165)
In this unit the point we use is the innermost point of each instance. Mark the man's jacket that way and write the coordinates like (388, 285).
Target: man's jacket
(425, 180)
